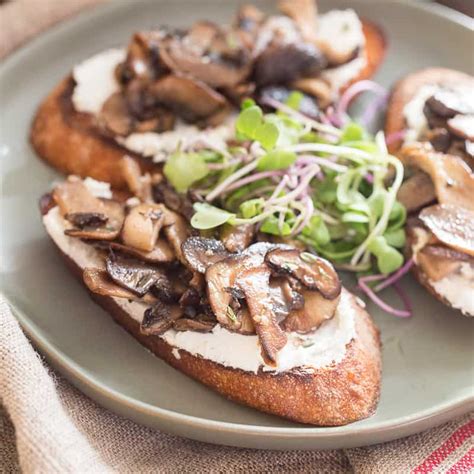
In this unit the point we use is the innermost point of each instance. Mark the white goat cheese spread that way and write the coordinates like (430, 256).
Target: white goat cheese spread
(323, 347)
(95, 80)
(458, 288)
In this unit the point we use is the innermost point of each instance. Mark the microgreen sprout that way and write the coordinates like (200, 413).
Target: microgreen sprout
(333, 188)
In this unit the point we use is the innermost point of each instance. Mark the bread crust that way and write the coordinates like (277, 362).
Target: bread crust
(405, 89)
(331, 396)
(70, 141)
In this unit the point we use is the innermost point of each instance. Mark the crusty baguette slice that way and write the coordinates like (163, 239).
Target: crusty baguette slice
(405, 89)
(70, 142)
(334, 395)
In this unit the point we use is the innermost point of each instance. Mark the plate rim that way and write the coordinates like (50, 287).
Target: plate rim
(387, 430)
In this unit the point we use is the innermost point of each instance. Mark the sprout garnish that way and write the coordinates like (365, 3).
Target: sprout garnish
(332, 188)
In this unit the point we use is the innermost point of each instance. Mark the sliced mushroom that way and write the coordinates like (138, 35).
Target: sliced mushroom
(220, 277)
(161, 253)
(200, 253)
(87, 219)
(159, 318)
(237, 238)
(139, 185)
(176, 231)
(198, 325)
(115, 116)
(438, 261)
(72, 196)
(99, 282)
(313, 272)
(439, 138)
(283, 64)
(317, 88)
(452, 178)
(254, 282)
(132, 274)
(304, 13)
(191, 99)
(448, 102)
(452, 225)
(205, 55)
(142, 226)
(416, 192)
(164, 193)
(462, 126)
(143, 57)
(248, 21)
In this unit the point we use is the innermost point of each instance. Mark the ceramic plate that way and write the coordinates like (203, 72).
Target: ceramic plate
(428, 365)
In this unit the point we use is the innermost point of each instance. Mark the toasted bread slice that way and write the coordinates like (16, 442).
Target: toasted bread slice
(405, 89)
(71, 142)
(332, 395)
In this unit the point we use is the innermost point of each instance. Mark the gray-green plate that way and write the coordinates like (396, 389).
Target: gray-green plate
(428, 359)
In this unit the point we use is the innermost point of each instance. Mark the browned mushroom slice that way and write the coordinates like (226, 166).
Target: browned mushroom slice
(143, 59)
(221, 277)
(316, 309)
(315, 87)
(176, 231)
(132, 274)
(161, 253)
(416, 192)
(139, 185)
(313, 272)
(237, 238)
(283, 64)
(191, 99)
(200, 253)
(438, 261)
(99, 282)
(159, 318)
(304, 13)
(452, 178)
(115, 116)
(211, 66)
(452, 225)
(164, 193)
(198, 325)
(142, 226)
(87, 219)
(254, 282)
(73, 196)
(448, 102)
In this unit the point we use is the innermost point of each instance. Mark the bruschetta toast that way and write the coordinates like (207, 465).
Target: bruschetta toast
(431, 112)
(270, 326)
(174, 85)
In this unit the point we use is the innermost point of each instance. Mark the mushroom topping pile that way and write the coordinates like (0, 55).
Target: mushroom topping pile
(190, 282)
(197, 73)
(450, 116)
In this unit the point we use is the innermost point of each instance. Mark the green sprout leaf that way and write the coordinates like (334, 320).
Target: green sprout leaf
(208, 217)
(353, 132)
(270, 226)
(249, 120)
(294, 100)
(267, 135)
(276, 160)
(184, 169)
(388, 258)
(251, 208)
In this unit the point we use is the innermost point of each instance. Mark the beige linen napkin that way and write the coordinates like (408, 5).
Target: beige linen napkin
(47, 426)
